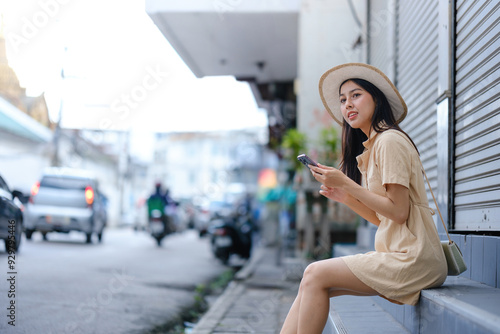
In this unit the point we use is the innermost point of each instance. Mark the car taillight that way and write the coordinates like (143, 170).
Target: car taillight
(89, 195)
(35, 188)
(34, 191)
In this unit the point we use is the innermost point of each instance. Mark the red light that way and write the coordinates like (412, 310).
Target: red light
(35, 188)
(34, 191)
(89, 195)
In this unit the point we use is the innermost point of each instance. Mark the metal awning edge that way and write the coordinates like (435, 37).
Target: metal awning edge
(25, 125)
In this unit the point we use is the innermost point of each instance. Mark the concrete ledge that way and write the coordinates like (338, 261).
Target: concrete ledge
(354, 314)
(459, 306)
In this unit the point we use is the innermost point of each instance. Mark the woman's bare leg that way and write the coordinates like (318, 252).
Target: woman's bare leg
(322, 280)
(292, 318)
(291, 321)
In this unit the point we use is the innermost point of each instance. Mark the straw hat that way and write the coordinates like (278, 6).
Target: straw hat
(329, 86)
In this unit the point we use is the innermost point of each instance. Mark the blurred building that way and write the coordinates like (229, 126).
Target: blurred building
(25, 147)
(25, 133)
(10, 89)
(28, 145)
(205, 166)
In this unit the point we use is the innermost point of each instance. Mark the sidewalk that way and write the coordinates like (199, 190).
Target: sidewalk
(258, 299)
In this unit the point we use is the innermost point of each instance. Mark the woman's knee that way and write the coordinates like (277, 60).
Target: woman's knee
(311, 277)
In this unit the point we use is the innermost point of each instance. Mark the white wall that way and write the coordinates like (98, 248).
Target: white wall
(327, 32)
(21, 161)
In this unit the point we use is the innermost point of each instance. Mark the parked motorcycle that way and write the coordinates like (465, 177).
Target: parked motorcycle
(231, 235)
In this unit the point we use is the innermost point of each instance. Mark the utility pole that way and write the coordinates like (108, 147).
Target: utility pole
(56, 162)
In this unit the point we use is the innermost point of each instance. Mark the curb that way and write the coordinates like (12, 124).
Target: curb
(215, 314)
(249, 268)
(233, 291)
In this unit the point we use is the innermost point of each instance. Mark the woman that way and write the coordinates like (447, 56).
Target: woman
(380, 178)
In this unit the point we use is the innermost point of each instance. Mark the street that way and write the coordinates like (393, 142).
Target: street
(125, 285)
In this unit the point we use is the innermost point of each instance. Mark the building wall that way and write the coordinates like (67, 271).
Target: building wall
(22, 160)
(324, 42)
(446, 64)
(34, 106)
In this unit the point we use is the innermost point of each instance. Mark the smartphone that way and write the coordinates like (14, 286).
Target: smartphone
(306, 160)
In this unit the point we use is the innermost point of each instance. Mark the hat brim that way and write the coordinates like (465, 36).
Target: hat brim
(330, 81)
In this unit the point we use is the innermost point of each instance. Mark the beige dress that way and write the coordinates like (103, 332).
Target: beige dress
(408, 257)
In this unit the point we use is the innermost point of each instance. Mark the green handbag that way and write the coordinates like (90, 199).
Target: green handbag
(456, 263)
(454, 258)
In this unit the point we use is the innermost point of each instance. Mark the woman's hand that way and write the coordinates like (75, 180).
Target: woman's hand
(335, 194)
(395, 204)
(340, 188)
(329, 176)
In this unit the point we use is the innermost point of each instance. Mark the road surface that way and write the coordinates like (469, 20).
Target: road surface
(125, 285)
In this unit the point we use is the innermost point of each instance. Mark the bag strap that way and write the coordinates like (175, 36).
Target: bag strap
(432, 193)
(437, 206)
(430, 188)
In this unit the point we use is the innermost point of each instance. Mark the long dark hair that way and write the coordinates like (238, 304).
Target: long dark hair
(352, 139)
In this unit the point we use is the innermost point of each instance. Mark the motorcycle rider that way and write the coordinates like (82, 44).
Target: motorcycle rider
(160, 201)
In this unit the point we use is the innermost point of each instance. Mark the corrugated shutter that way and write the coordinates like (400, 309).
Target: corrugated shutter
(380, 36)
(477, 116)
(417, 75)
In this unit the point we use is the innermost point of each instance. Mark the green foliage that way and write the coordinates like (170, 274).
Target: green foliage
(222, 281)
(294, 143)
(329, 143)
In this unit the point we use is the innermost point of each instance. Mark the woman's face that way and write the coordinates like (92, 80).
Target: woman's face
(357, 106)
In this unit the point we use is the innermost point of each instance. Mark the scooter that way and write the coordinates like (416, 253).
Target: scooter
(231, 235)
(160, 225)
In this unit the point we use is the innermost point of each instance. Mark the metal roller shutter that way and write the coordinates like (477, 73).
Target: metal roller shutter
(381, 26)
(417, 75)
(477, 116)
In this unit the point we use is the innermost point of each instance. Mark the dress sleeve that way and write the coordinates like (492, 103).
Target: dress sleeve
(393, 158)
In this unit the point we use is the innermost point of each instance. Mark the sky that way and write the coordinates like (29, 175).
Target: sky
(120, 73)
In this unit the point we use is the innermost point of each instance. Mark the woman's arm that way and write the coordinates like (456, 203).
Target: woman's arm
(340, 196)
(395, 205)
